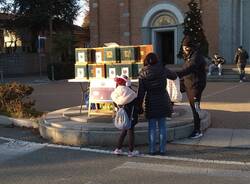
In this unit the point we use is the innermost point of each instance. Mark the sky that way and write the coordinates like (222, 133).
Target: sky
(79, 19)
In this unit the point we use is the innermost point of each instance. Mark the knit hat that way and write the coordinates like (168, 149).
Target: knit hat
(121, 80)
(128, 83)
(187, 42)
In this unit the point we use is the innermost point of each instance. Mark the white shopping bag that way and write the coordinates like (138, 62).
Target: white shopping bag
(173, 88)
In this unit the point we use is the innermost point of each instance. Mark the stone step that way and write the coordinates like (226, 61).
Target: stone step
(226, 78)
(63, 129)
(231, 72)
(223, 77)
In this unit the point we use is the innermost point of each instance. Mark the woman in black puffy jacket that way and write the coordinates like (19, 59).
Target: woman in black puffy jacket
(152, 86)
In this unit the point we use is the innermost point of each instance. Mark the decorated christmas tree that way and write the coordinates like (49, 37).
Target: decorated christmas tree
(193, 28)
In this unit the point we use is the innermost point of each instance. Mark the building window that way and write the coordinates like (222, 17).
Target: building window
(164, 19)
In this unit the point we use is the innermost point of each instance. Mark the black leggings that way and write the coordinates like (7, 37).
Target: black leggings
(130, 138)
(194, 95)
(130, 131)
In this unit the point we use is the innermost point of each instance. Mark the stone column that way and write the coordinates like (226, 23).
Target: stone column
(246, 25)
(125, 26)
(146, 35)
(226, 29)
(236, 25)
(94, 23)
(179, 40)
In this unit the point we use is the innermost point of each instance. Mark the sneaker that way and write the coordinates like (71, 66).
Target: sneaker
(220, 74)
(196, 135)
(208, 73)
(241, 81)
(117, 151)
(162, 153)
(152, 153)
(133, 153)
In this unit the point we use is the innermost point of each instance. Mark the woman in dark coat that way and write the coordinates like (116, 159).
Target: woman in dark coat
(194, 77)
(152, 86)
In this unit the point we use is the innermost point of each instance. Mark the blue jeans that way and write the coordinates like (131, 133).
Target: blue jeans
(152, 134)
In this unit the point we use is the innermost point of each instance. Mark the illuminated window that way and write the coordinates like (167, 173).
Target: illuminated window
(11, 40)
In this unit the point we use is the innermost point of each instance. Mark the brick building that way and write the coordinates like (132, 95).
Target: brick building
(159, 22)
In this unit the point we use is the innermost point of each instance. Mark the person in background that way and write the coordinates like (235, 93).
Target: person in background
(240, 59)
(217, 62)
(193, 76)
(152, 87)
(124, 96)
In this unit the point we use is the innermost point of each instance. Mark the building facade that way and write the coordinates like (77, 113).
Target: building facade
(159, 22)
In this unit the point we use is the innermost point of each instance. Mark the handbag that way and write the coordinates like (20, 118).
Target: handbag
(173, 89)
(121, 120)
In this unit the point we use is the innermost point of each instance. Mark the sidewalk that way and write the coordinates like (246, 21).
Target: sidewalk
(32, 80)
(229, 105)
(219, 137)
(29, 80)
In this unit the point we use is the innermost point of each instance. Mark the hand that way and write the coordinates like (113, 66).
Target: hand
(140, 110)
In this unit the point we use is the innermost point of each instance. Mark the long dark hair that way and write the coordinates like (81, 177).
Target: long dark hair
(150, 59)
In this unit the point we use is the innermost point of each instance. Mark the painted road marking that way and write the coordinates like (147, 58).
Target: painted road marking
(188, 170)
(30, 146)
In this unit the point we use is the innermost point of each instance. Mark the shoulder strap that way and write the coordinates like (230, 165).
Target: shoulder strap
(120, 106)
(132, 112)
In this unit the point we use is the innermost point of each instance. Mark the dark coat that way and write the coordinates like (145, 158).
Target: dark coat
(218, 60)
(152, 84)
(194, 71)
(241, 57)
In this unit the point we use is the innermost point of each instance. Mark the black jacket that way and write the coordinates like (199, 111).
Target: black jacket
(152, 84)
(241, 57)
(194, 71)
(218, 60)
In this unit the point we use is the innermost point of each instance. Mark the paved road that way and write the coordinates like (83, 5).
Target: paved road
(229, 104)
(56, 95)
(27, 163)
(180, 151)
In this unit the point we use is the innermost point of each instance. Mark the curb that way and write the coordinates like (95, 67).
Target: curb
(28, 123)
(62, 130)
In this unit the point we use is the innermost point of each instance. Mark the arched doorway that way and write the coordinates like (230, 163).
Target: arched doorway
(164, 37)
(162, 28)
